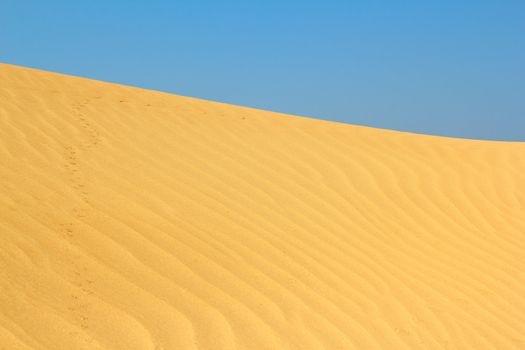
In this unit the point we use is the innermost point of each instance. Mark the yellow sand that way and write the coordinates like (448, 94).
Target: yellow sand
(133, 219)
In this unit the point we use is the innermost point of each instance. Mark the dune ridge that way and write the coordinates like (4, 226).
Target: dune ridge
(135, 219)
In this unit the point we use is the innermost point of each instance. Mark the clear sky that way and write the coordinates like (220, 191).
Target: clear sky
(448, 67)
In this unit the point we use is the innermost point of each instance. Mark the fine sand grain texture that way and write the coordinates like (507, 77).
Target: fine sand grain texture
(139, 220)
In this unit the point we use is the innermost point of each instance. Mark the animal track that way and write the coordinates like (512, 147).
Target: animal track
(66, 230)
(79, 303)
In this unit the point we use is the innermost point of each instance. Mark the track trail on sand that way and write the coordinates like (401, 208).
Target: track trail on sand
(75, 155)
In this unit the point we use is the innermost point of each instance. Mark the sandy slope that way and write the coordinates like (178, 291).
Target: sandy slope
(133, 219)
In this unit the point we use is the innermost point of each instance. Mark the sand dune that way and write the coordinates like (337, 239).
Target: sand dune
(133, 219)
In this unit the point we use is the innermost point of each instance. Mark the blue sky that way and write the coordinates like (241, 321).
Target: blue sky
(454, 68)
